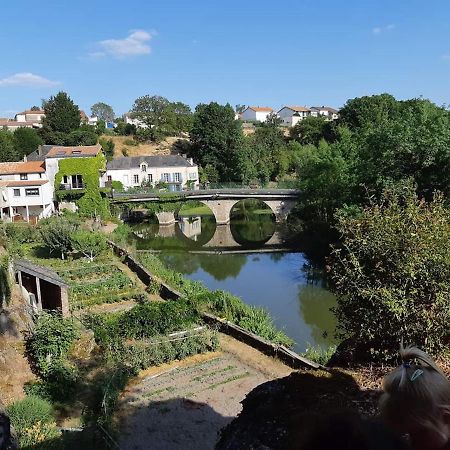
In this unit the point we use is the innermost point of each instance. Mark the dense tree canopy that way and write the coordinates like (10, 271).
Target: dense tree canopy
(26, 140)
(217, 140)
(161, 117)
(61, 114)
(103, 111)
(7, 149)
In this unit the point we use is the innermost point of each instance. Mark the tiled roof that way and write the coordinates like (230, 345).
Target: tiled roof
(14, 123)
(29, 111)
(261, 108)
(22, 167)
(133, 162)
(76, 151)
(297, 108)
(21, 183)
(325, 108)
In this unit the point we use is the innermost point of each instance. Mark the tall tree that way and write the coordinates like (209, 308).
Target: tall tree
(103, 111)
(26, 140)
(7, 149)
(311, 130)
(217, 140)
(61, 116)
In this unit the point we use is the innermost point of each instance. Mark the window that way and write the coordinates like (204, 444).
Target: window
(16, 192)
(109, 178)
(24, 176)
(177, 177)
(165, 177)
(192, 176)
(144, 167)
(31, 192)
(136, 179)
(150, 178)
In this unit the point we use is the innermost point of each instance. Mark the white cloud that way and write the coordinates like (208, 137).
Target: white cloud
(379, 30)
(136, 44)
(27, 79)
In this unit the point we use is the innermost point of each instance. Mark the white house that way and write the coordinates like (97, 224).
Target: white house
(256, 113)
(13, 125)
(291, 115)
(176, 171)
(325, 111)
(31, 116)
(25, 192)
(129, 119)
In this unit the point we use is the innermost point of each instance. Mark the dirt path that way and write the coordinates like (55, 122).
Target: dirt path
(185, 404)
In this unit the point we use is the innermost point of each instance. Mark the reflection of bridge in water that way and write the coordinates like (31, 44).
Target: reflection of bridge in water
(223, 240)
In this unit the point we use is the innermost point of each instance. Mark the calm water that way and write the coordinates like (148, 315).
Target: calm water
(254, 260)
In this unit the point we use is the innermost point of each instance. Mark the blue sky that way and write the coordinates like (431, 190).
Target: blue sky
(301, 52)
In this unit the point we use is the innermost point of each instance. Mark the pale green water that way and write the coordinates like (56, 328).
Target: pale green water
(276, 280)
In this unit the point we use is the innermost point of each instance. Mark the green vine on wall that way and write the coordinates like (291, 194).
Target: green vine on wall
(90, 200)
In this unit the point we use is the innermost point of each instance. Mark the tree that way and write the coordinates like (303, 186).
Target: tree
(26, 141)
(162, 117)
(89, 243)
(392, 275)
(56, 234)
(311, 130)
(35, 108)
(8, 150)
(61, 116)
(217, 140)
(103, 112)
(108, 147)
(82, 136)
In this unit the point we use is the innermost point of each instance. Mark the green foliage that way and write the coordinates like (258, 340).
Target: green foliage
(56, 233)
(33, 421)
(8, 151)
(5, 282)
(217, 140)
(162, 117)
(89, 243)
(20, 232)
(92, 203)
(125, 152)
(26, 141)
(83, 136)
(52, 338)
(392, 275)
(319, 354)
(62, 117)
(103, 111)
(117, 185)
(108, 147)
(311, 130)
(130, 142)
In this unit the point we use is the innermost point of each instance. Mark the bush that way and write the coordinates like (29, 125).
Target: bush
(50, 342)
(56, 233)
(33, 421)
(131, 142)
(117, 185)
(125, 152)
(21, 233)
(392, 276)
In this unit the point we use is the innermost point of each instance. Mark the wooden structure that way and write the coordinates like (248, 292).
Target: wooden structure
(45, 289)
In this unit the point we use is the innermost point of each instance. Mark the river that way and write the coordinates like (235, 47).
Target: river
(254, 259)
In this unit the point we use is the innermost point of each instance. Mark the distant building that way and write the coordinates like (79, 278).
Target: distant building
(176, 171)
(25, 192)
(129, 119)
(256, 113)
(291, 115)
(325, 111)
(31, 116)
(13, 125)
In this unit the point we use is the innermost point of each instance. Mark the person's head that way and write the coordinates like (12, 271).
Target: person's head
(416, 400)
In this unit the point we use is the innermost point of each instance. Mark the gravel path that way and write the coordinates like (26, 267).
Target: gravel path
(185, 404)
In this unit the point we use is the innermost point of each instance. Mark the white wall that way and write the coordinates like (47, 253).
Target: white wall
(127, 176)
(251, 115)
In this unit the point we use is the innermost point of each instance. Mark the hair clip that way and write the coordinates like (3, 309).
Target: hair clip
(416, 374)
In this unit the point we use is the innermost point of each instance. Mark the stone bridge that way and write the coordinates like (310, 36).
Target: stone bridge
(220, 201)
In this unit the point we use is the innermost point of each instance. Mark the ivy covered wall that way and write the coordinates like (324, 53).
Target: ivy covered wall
(90, 200)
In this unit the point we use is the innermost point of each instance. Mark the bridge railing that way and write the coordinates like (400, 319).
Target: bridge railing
(288, 184)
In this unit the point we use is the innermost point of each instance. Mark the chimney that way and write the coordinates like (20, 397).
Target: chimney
(25, 159)
(191, 161)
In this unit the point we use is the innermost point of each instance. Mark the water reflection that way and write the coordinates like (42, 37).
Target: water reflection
(315, 303)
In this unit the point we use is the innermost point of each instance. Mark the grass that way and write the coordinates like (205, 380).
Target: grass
(201, 210)
(229, 380)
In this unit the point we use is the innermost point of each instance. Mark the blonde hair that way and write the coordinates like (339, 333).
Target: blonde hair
(416, 392)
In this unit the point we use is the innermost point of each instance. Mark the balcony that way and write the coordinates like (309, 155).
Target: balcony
(72, 186)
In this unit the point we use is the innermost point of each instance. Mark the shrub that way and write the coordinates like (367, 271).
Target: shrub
(125, 152)
(392, 276)
(33, 421)
(319, 354)
(21, 233)
(89, 243)
(131, 142)
(117, 185)
(51, 340)
(56, 233)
